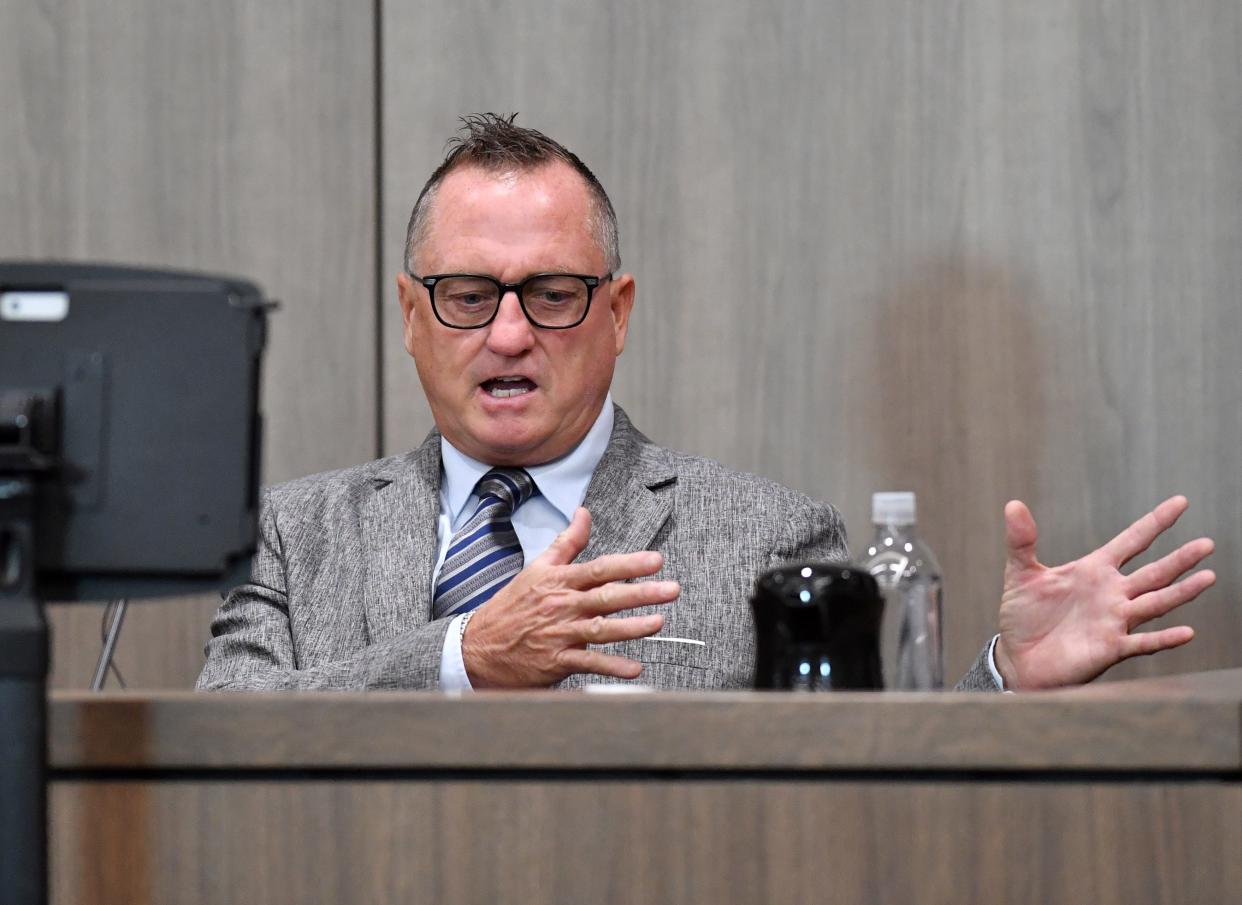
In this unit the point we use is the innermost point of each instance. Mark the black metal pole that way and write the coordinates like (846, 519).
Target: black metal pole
(23, 704)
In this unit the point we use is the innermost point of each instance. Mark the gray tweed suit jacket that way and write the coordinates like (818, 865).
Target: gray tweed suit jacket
(340, 591)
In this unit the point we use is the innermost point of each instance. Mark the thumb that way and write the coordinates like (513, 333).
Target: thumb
(570, 542)
(1020, 535)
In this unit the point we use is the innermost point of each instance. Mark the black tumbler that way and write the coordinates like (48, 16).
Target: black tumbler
(818, 628)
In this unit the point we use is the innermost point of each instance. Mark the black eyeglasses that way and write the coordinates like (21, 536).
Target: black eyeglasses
(553, 301)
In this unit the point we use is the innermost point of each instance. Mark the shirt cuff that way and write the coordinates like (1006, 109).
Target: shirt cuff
(452, 667)
(996, 676)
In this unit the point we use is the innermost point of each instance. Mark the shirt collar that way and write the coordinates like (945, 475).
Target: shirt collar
(563, 482)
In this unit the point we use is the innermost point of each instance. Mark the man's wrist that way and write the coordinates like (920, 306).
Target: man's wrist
(1003, 666)
(453, 675)
(470, 661)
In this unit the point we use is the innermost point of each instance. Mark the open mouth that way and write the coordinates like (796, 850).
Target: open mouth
(504, 387)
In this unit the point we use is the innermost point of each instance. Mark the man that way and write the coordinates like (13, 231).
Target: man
(538, 538)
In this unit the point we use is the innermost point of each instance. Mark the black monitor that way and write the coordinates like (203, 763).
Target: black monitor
(129, 464)
(134, 394)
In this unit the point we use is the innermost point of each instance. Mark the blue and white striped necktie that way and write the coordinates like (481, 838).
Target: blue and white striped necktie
(484, 554)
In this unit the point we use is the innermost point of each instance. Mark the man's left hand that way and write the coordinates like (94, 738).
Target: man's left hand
(1067, 624)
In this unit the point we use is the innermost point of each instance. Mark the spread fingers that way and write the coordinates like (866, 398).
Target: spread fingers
(618, 596)
(602, 630)
(1138, 537)
(1165, 570)
(1155, 604)
(1154, 642)
(592, 661)
(615, 567)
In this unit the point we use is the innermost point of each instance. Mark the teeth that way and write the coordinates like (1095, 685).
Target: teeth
(498, 390)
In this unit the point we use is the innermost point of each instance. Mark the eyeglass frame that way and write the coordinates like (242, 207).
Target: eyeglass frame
(429, 283)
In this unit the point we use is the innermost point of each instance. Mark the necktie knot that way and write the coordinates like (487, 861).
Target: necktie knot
(512, 486)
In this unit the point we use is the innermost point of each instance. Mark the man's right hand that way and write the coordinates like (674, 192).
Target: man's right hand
(535, 631)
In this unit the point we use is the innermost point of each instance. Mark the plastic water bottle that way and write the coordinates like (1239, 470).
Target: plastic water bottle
(909, 577)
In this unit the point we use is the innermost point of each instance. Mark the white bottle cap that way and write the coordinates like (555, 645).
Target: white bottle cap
(893, 508)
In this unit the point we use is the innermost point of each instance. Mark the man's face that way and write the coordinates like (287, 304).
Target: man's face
(510, 226)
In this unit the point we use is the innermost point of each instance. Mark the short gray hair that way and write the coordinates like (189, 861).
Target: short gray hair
(494, 143)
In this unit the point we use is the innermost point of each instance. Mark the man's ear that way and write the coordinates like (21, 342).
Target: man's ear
(407, 294)
(621, 302)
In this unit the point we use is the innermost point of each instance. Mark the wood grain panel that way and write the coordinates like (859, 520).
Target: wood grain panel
(1195, 727)
(233, 137)
(629, 841)
(980, 249)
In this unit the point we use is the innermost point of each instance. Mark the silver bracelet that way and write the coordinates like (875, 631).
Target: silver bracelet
(464, 621)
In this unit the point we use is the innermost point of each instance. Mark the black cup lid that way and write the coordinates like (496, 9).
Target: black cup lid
(802, 584)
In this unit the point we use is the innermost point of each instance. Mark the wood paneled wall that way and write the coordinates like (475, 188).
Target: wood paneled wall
(981, 250)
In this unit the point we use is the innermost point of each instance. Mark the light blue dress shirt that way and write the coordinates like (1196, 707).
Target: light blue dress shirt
(562, 487)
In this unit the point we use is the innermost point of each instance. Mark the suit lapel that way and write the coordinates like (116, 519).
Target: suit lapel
(399, 530)
(624, 498)
(631, 499)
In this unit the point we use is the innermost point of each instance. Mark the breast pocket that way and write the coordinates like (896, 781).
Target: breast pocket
(668, 661)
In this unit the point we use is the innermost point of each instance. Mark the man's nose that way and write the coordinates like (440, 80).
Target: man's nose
(510, 333)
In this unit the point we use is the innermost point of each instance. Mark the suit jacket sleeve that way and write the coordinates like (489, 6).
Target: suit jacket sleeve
(252, 645)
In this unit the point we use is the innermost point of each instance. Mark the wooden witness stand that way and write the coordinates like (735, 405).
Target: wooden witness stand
(1128, 792)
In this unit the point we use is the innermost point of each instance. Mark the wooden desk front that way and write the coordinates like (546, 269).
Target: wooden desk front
(1126, 792)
